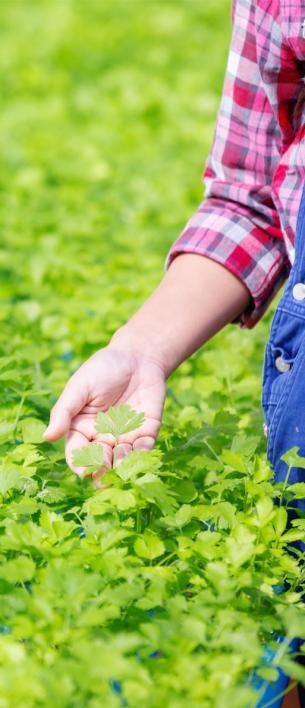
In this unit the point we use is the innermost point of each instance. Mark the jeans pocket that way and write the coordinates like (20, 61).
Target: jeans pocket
(284, 399)
(282, 354)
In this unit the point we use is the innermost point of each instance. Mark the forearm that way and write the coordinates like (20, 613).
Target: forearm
(195, 299)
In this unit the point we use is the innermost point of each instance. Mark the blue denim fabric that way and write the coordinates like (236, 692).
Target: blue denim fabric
(283, 394)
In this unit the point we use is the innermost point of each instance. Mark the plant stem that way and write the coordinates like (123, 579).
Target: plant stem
(21, 402)
(285, 483)
(138, 521)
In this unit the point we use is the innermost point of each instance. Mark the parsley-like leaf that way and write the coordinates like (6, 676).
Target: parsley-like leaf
(119, 420)
(137, 463)
(90, 456)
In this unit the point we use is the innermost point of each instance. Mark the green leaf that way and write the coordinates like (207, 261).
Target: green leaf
(300, 523)
(205, 544)
(119, 420)
(292, 458)
(32, 430)
(51, 495)
(269, 673)
(280, 520)
(184, 515)
(120, 499)
(292, 535)
(154, 490)
(234, 460)
(293, 619)
(9, 479)
(149, 546)
(265, 511)
(245, 444)
(297, 489)
(185, 490)
(56, 525)
(294, 670)
(137, 463)
(262, 471)
(90, 456)
(97, 505)
(19, 570)
(6, 429)
(239, 553)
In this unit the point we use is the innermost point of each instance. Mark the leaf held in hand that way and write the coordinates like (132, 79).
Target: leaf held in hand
(90, 456)
(119, 420)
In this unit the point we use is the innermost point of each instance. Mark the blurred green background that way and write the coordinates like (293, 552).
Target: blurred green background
(107, 115)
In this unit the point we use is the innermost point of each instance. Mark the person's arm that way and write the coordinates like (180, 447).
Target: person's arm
(237, 224)
(195, 299)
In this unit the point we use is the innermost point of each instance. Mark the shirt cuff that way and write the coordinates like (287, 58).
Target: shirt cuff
(225, 233)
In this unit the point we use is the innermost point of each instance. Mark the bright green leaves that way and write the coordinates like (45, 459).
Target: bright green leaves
(149, 546)
(139, 463)
(119, 420)
(235, 460)
(18, 570)
(90, 456)
(280, 520)
(186, 536)
(57, 527)
(32, 430)
(6, 429)
(110, 500)
(264, 510)
(9, 479)
(239, 553)
(292, 459)
(51, 495)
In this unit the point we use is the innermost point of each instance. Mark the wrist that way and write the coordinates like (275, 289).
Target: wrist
(141, 344)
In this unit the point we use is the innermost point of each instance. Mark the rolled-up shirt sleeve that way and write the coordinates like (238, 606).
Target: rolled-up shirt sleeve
(237, 223)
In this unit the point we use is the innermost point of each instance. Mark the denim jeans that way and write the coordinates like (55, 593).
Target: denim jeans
(283, 391)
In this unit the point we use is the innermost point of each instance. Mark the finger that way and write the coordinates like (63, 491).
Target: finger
(71, 401)
(121, 451)
(74, 441)
(97, 477)
(99, 474)
(85, 423)
(149, 429)
(144, 443)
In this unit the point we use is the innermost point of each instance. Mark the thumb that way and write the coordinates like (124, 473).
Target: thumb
(71, 401)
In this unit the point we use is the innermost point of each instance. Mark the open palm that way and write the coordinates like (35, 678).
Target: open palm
(110, 377)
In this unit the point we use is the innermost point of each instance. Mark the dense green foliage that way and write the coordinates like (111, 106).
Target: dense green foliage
(160, 589)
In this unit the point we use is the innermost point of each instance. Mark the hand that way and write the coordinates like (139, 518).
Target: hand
(111, 376)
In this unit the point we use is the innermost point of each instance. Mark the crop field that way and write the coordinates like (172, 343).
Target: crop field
(165, 588)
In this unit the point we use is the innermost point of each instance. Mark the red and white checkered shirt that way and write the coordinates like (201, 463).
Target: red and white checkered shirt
(256, 167)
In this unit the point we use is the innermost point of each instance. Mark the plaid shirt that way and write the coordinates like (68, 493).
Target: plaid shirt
(256, 167)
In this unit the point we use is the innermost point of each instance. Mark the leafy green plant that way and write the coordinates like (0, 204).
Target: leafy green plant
(171, 572)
